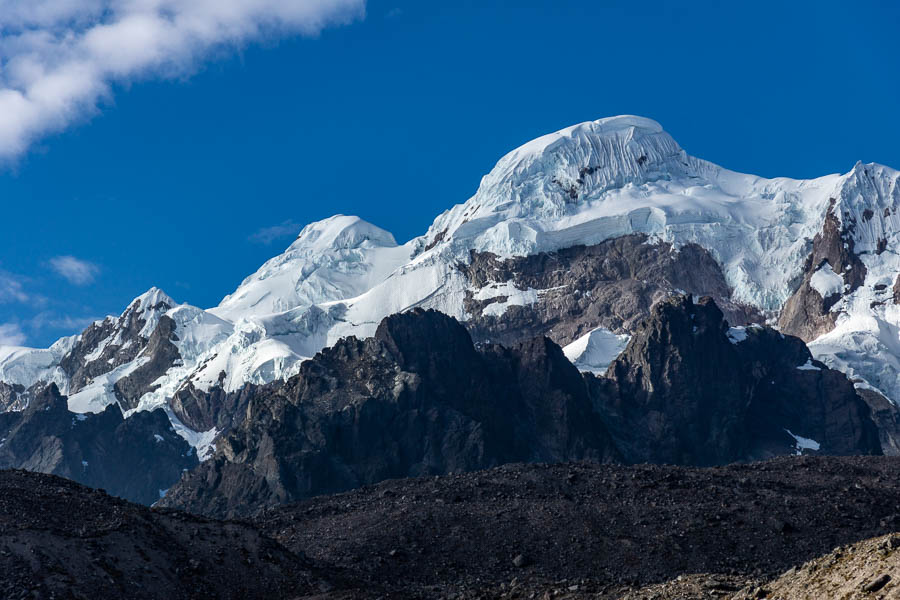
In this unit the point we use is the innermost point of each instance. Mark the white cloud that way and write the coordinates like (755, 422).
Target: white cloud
(11, 289)
(75, 270)
(49, 320)
(59, 58)
(11, 335)
(267, 235)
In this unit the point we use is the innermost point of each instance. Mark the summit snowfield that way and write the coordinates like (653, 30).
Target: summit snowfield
(613, 177)
(337, 258)
(539, 249)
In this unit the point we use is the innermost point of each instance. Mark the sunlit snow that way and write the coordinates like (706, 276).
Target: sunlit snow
(595, 350)
(826, 282)
(581, 185)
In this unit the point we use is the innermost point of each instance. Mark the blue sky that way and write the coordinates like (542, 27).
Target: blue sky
(396, 116)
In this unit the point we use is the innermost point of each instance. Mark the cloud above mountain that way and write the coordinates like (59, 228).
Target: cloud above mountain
(60, 58)
(12, 289)
(74, 270)
(268, 235)
(11, 335)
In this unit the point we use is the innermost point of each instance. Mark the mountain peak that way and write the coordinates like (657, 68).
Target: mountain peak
(153, 298)
(332, 259)
(588, 158)
(553, 181)
(341, 232)
(628, 127)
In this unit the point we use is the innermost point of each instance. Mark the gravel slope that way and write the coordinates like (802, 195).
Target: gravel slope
(578, 530)
(603, 528)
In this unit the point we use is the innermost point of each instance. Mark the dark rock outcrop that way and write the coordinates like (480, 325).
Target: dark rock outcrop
(417, 399)
(612, 284)
(135, 458)
(61, 540)
(420, 399)
(684, 392)
(161, 354)
(886, 416)
(202, 410)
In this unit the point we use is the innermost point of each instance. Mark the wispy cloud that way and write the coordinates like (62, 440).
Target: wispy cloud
(394, 13)
(50, 321)
(75, 270)
(59, 58)
(11, 289)
(11, 335)
(267, 235)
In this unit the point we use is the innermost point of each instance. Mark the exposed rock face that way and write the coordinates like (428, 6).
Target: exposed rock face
(12, 397)
(61, 540)
(807, 314)
(114, 341)
(133, 458)
(202, 410)
(575, 290)
(886, 416)
(420, 399)
(417, 399)
(687, 390)
(160, 353)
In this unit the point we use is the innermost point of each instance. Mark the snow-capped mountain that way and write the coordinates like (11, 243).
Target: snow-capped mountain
(337, 258)
(573, 235)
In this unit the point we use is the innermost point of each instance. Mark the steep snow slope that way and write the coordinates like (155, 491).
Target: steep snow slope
(622, 175)
(595, 351)
(865, 342)
(337, 258)
(582, 185)
(601, 180)
(25, 366)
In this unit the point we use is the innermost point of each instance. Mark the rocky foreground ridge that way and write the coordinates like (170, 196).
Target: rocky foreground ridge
(582, 530)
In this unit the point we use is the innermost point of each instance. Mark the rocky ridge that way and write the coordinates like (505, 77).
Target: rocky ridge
(136, 458)
(611, 285)
(867, 569)
(61, 540)
(416, 399)
(419, 398)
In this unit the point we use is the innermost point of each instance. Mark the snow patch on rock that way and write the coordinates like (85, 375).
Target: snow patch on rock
(510, 296)
(736, 335)
(808, 366)
(803, 443)
(826, 282)
(596, 350)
